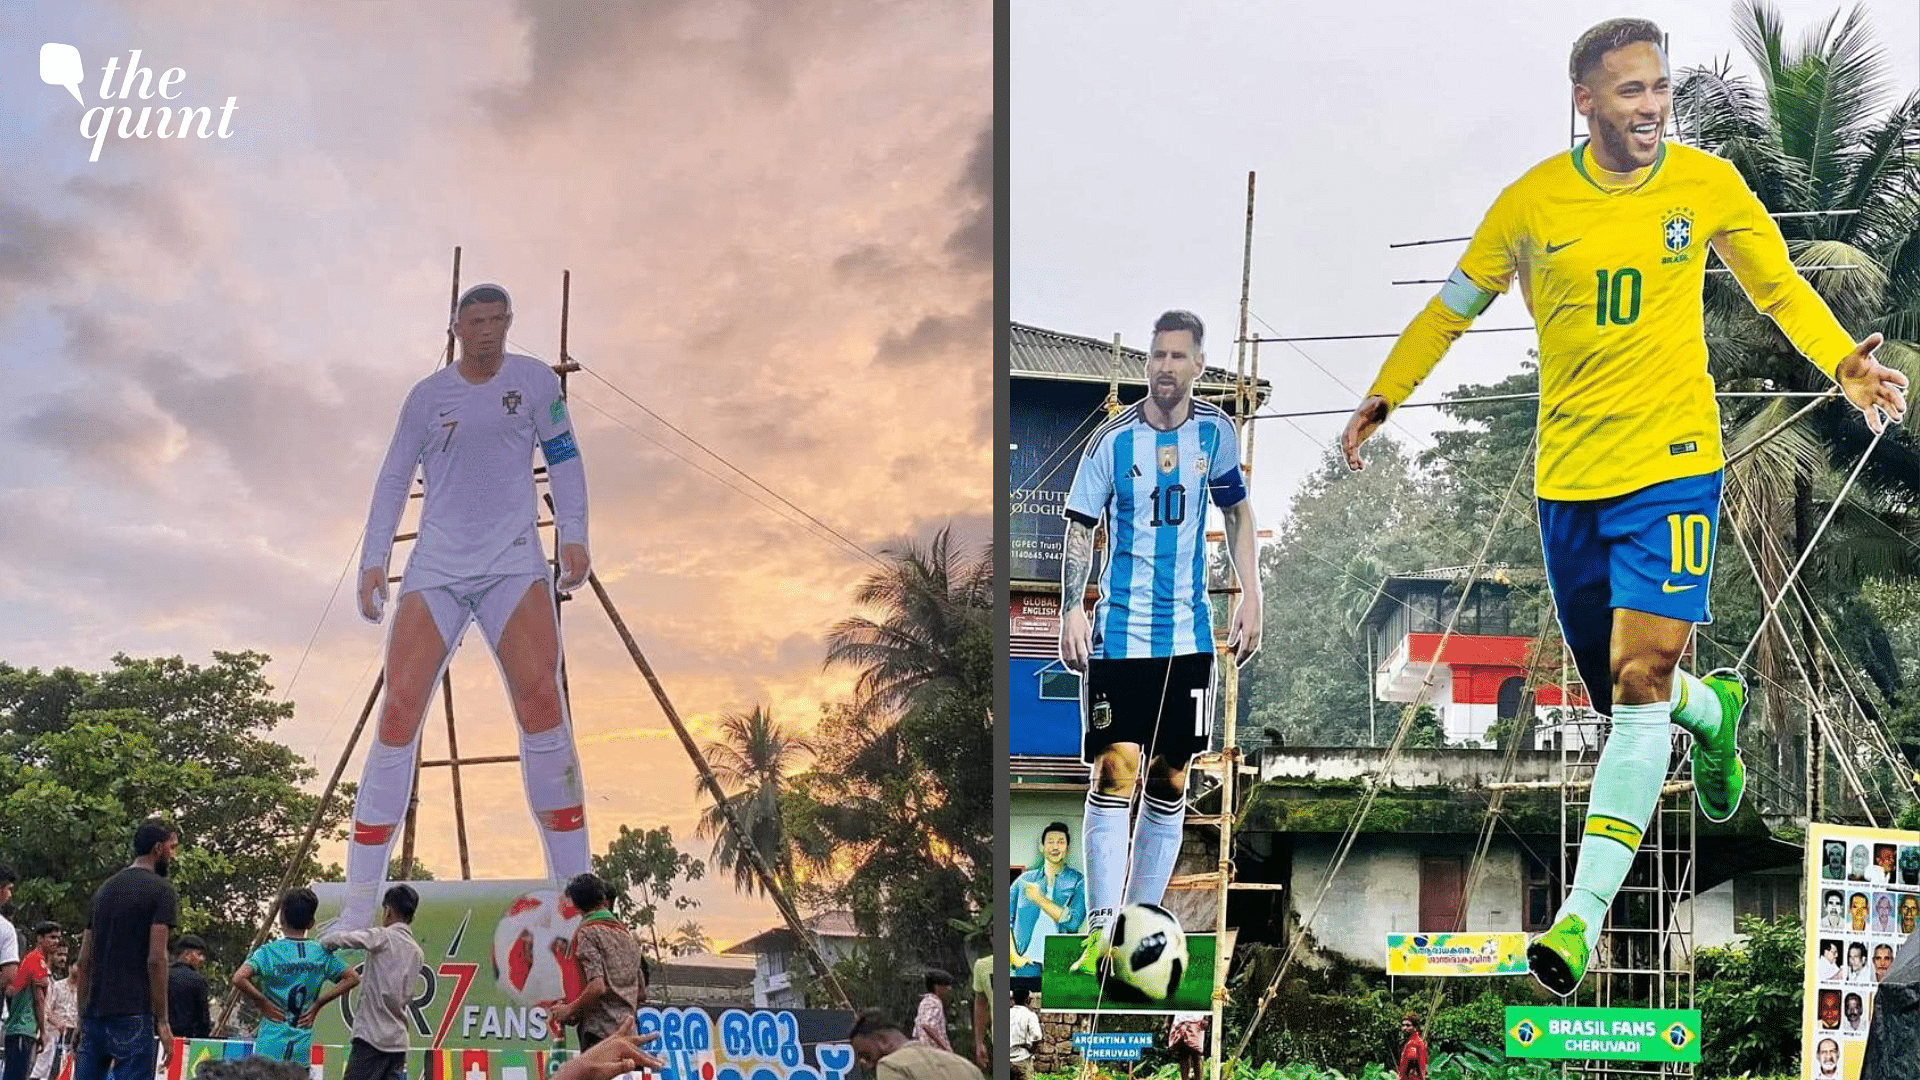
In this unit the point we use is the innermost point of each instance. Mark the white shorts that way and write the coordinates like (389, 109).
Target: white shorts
(488, 600)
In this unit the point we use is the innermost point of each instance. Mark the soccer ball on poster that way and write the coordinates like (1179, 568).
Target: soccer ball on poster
(1146, 955)
(531, 960)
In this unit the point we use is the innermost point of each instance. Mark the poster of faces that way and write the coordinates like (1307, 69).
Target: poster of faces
(1864, 902)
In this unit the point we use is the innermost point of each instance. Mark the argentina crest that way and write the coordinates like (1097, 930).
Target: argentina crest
(1676, 232)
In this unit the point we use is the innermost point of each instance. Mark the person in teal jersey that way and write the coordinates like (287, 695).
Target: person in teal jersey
(283, 979)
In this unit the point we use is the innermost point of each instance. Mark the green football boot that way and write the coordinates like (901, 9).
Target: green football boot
(1558, 958)
(1719, 777)
(1093, 956)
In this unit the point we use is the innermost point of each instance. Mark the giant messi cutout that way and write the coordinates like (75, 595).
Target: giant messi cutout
(470, 429)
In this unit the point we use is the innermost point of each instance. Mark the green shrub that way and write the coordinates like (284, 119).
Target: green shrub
(1750, 997)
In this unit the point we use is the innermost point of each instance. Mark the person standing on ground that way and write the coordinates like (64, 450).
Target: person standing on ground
(188, 1008)
(1187, 1038)
(1413, 1054)
(613, 984)
(379, 1050)
(284, 978)
(63, 1012)
(27, 1029)
(930, 1020)
(122, 971)
(1023, 1035)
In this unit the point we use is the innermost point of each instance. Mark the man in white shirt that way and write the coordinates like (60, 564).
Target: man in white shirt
(379, 1050)
(470, 429)
(1023, 1036)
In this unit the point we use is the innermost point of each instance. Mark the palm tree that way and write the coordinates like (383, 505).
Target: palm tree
(932, 600)
(752, 762)
(688, 939)
(1816, 140)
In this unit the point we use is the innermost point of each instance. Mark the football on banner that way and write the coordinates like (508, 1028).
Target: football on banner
(531, 960)
(1146, 954)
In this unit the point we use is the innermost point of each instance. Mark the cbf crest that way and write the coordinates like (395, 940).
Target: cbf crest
(1676, 233)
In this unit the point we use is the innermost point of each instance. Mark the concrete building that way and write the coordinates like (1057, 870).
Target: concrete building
(704, 979)
(778, 958)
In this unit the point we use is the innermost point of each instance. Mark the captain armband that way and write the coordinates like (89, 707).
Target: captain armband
(559, 448)
(1462, 297)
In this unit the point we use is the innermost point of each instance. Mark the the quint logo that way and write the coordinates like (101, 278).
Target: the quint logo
(60, 65)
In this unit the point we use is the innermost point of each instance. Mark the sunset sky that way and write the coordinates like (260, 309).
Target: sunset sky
(778, 219)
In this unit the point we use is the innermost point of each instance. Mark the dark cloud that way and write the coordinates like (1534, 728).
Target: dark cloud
(38, 249)
(941, 334)
(159, 210)
(972, 244)
(578, 49)
(118, 438)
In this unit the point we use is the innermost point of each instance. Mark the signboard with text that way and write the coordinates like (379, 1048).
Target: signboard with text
(1561, 1033)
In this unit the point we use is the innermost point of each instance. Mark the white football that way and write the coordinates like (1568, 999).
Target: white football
(530, 948)
(1146, 954)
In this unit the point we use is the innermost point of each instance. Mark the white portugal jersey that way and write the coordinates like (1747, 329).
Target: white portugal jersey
(474, 443)
(1153, 488)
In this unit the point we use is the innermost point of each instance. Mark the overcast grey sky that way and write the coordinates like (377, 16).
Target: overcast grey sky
(1368, 122)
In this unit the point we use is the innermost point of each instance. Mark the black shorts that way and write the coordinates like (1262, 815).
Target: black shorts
(365, 1062)
(1164, 703)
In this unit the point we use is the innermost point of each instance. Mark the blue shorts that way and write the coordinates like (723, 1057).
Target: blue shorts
(1649, 550)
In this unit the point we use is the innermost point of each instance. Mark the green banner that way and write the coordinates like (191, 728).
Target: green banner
(1539, 1031)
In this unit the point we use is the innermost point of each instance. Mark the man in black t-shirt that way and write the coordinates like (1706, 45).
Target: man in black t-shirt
(122, 971)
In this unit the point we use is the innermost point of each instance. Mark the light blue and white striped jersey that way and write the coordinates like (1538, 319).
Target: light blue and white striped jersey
(1154, 487)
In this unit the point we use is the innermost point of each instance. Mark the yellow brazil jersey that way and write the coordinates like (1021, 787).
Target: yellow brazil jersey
(1612, 268)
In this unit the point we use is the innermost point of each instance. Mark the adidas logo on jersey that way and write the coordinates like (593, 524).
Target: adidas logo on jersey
(1133, 473)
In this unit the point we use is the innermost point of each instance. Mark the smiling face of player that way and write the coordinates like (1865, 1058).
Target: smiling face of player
(1626, 98)
(1053, 848)
(1173, 366)
(482, 330)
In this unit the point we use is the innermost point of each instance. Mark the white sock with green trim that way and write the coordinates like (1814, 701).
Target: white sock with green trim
(1626, 788)
(1695, 706)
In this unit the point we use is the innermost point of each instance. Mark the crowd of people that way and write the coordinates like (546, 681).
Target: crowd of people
(116, 1005)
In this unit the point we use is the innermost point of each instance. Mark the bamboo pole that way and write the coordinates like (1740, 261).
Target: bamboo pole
(300, 853)
(743, 842)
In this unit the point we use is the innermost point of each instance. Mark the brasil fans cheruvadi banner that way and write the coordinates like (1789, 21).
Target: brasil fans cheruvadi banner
(1457, 954)
(1575, 1034)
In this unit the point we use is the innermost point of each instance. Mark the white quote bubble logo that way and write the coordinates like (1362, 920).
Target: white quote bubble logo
(60, 66)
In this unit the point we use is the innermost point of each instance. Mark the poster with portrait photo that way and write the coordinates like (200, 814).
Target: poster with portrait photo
(1860, 914)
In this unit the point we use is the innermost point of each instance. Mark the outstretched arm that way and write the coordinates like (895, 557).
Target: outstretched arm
(1754, 249)
(389, 502)
(1484, 272)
